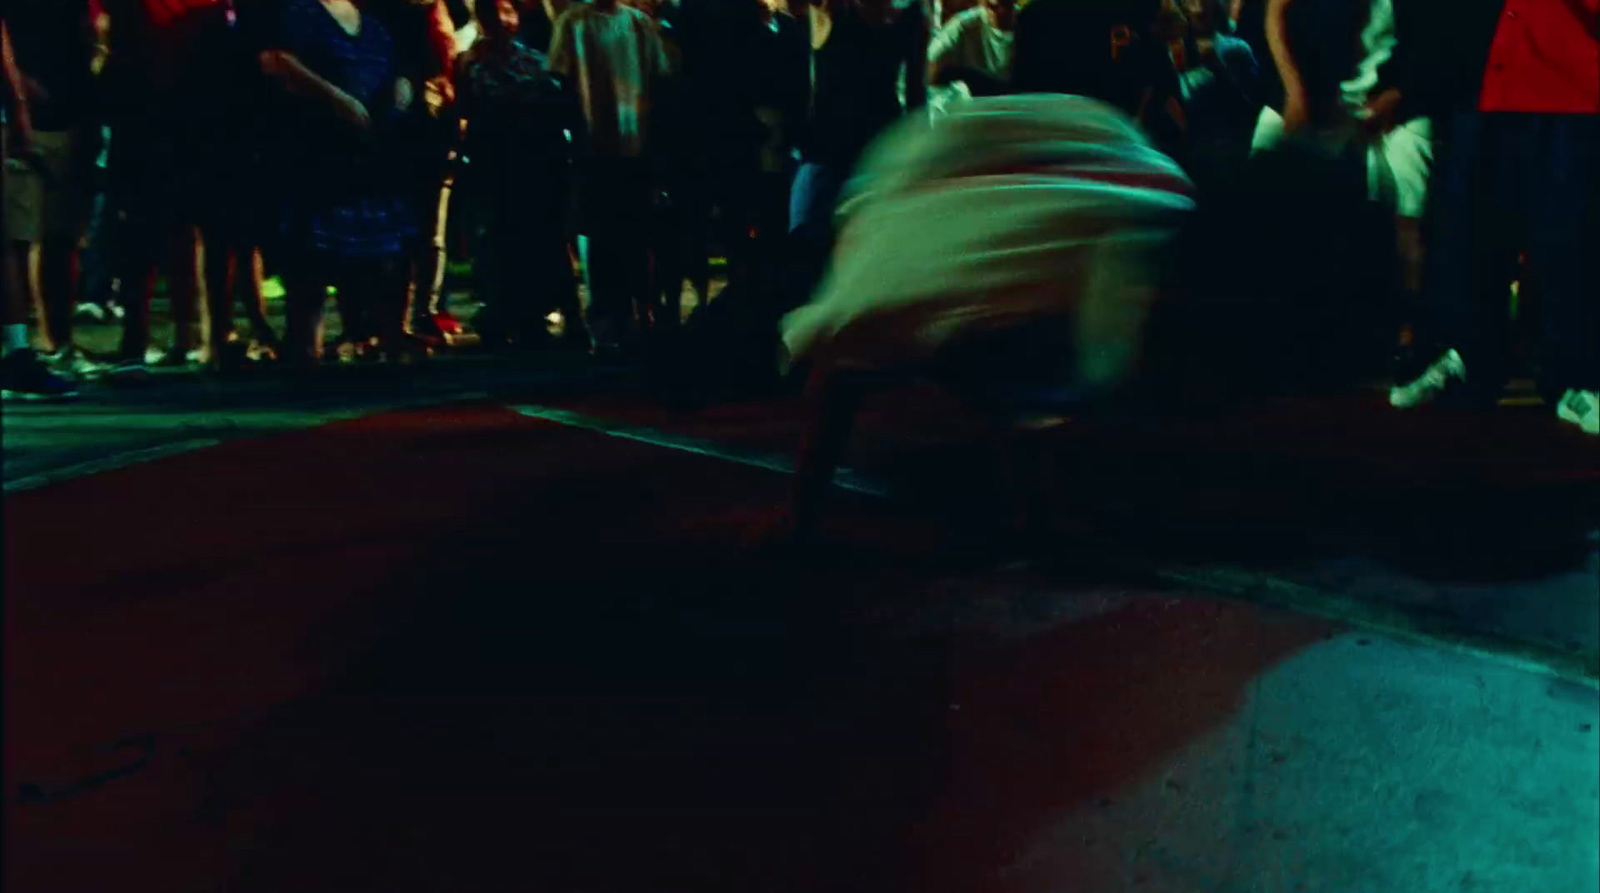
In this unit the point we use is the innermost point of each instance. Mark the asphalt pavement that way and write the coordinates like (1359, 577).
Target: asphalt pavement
(446, 627)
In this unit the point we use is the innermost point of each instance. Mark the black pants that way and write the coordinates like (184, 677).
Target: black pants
(1509, 183)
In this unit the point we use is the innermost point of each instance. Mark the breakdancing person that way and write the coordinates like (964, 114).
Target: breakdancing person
(1036, 254)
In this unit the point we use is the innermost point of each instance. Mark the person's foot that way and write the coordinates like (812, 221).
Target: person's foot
(178, 357)
(447, 324)
(24, 375)
(75, 364)
(1447, 374)
(347, 352)
(230, 358)
(90, 314)
(405, 350)
(266, 340)
(1581, 408)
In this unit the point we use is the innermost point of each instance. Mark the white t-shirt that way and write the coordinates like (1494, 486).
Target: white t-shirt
(1377, 45)
(1010, 209)
(970, 40)
(616, 56)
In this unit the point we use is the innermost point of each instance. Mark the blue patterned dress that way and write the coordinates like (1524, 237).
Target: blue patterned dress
(351, 201)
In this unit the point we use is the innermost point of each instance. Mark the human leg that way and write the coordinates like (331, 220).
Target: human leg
(1563, 230)
(834, 399)
(1472, 246)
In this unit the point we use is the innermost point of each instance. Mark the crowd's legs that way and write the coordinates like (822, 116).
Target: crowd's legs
(615, 207)
(425, 299)
(1509, 181)
(527, 269)
(46, 208)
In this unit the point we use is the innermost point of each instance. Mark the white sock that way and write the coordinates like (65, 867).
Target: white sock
(16, 337)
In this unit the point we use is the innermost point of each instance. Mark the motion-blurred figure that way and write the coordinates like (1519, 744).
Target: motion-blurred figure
(1014, 248)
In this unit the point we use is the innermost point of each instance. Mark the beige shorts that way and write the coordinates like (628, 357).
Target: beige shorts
(1398, 165)
(40, 205)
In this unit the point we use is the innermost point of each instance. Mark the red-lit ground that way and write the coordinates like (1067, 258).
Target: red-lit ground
(464, 649)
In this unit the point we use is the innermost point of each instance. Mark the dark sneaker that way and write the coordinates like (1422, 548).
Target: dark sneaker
(1446, 374)
(128, 373)
(24, 376)
(1581, 408)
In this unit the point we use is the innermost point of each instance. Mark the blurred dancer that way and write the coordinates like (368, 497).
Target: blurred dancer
(1038, 275)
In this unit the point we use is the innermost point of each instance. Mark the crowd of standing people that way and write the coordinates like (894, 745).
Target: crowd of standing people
(335, 140)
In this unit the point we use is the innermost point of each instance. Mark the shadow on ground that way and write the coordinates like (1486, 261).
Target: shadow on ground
(564, 676)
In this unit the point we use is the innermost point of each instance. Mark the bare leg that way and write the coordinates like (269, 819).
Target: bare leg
(19, 291)
(388, 296)
(255, 299)
(184, 280)
(58, 284)
(220, 270)
(306, 295)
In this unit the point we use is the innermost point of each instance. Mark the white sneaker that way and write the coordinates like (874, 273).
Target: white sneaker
(72, 363)
(1581, 408)
(89, 314)
(1446, 372)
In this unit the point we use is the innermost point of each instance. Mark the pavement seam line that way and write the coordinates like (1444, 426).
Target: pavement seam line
(844, 478)
(1239, 585)
(107, 463)
(115, 461)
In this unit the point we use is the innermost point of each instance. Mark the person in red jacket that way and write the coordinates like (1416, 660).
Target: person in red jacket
(1517, 83)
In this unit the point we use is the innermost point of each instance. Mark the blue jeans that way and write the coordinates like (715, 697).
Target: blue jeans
(1505, 184)
(812, 200)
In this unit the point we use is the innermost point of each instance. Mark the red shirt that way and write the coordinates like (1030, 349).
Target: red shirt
(1545, 58)
(164, 12)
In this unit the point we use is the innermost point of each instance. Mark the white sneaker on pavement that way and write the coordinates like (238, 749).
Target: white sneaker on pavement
(1581, 408)
(1446, 373)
